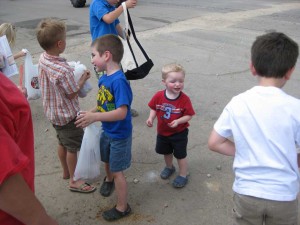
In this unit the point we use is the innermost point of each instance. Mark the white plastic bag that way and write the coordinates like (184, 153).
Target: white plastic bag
(127, 61)
(31, 78)
(9, 67)
(88, 163)
(78, 71)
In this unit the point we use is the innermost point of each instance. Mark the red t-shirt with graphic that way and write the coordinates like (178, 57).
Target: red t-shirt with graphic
(168, 110)
(16, 139)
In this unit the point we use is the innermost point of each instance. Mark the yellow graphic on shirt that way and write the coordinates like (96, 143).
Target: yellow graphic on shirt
(105, 99)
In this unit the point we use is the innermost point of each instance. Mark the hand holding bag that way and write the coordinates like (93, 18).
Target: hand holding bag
(79, 69)
(140, 71)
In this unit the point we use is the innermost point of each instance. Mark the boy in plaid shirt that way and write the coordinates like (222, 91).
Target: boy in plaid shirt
(60, 97)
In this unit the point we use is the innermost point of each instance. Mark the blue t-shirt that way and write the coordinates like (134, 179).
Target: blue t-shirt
(98, 27)
(114, 92)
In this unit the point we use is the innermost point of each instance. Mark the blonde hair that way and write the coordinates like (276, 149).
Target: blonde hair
(173, 67)
(10, 31)
(49, 32)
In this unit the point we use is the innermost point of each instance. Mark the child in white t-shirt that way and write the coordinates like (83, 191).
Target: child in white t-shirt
(265, 125)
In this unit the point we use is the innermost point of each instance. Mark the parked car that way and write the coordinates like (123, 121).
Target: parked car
(78, 3)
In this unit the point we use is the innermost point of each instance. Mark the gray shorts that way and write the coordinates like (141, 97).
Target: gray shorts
(69, 136)
(257, 211)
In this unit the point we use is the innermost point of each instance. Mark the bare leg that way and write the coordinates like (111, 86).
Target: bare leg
(121, 190)
(109, 175)
(72, 161)
(62, 155)
(169, 160)
(182, 163)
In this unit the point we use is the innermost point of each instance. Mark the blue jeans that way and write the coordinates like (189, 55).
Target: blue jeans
(116, 152)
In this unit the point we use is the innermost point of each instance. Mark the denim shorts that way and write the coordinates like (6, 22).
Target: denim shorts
(116, 152)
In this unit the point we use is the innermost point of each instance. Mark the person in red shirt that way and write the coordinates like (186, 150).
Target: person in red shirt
(18, 204)
(173, 110)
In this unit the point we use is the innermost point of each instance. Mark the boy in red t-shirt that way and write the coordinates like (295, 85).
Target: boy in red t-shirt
(173, 110)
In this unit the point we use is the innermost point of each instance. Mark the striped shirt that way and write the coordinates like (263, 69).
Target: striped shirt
(56, 80)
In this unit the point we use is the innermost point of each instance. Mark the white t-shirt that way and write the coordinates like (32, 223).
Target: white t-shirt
(265, 125)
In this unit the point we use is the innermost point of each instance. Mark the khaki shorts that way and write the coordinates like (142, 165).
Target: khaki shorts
(69, 136)
(257, 211)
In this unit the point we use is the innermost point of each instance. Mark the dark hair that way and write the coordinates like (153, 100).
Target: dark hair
(111, 43)
(274, 54)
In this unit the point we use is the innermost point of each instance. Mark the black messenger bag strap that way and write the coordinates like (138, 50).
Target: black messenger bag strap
(142, 70)
(136, 40)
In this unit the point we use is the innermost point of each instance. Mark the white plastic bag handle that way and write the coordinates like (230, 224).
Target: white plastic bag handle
(126, 28)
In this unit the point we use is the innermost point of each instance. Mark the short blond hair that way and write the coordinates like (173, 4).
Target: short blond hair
(10, 31)
(173, 67)
(49, 32)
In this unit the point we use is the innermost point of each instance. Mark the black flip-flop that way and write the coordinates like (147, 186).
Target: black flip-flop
(81, 189)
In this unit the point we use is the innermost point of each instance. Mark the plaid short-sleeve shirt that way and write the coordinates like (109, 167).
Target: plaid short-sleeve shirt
(56, 79)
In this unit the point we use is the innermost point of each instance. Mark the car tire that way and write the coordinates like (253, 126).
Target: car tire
(78, 3)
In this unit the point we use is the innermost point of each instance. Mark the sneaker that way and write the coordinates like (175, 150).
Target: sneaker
(167, 172)
(114, 214)
(106, 188)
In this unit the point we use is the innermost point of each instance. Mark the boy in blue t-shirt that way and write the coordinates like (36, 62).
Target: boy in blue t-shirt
(104, 17)
(113, 110)
(104, 20)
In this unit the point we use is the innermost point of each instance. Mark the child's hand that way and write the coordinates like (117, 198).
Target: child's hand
(149, 122)
(131, 3)
(173, 124)
(84, 119)
(20, 53)
(86, 75)
(25, 51)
